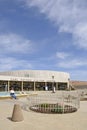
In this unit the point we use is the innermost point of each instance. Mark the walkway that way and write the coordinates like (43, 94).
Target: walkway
(38, 121)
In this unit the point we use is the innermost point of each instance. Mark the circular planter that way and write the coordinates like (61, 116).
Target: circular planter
(53, 108)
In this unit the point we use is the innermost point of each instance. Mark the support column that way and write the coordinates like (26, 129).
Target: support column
(22, 86)
(8, 85)
(45, 83)
(46, 87)
(34, 86)
(56, 85)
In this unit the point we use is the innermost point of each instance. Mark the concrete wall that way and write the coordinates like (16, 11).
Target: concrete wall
(35, 75)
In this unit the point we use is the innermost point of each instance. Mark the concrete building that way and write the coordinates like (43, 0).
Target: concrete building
(24, 80)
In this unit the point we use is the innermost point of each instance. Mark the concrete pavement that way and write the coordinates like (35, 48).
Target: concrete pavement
(40, 121)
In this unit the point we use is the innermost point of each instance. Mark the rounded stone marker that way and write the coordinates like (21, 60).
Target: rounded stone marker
(17, 113)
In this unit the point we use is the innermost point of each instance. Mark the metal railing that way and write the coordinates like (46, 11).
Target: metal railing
(62, 102)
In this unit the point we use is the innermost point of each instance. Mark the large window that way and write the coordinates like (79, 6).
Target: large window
(39, 85)
(28, 86)
(16, 85)
(3, 86)
(62, 86)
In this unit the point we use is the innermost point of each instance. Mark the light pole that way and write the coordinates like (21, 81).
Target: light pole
(53, 87)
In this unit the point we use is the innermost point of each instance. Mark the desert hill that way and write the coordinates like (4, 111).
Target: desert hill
(78, 84)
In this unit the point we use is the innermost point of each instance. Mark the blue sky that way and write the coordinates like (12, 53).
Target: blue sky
(44, 35)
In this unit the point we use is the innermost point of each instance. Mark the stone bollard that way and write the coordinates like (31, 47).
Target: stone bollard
(17, 113)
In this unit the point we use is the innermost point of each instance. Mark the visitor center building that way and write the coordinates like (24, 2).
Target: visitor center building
(34, 80)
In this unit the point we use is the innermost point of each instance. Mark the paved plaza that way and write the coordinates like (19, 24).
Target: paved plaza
(40, 121)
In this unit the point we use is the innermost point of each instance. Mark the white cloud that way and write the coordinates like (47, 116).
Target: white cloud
(8, 63)
(71, 63)
(13, 43)
(80, 35)
(69, 15)
(62, 55)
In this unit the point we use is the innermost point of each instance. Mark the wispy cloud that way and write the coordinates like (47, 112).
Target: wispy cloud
(9, 63)
(80, 35)
(70, 17)
(71, 63)
(13, 43)
(62, 55)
